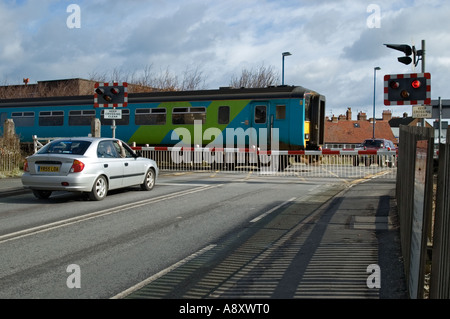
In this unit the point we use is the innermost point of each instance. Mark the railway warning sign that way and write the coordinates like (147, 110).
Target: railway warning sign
(111, 95)
(113, 114)
(407, 89)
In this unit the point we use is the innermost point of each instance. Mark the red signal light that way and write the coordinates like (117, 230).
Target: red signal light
(115, 91)
(394, 84)
(416, 84)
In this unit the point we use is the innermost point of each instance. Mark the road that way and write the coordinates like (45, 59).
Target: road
(70, 247)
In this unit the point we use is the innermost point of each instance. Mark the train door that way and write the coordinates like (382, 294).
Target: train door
(315, 111)
(261, 125)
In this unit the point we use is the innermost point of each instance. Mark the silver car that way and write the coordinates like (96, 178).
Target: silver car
(91, 165)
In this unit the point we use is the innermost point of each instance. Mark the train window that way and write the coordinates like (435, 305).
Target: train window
(180, 110)
(188, 115)
(307, 108)
(260, 114)
(197, 110)
(125, 120)
(23, 118)
(155, 116)
(51, 118)
(81, 117)
(224, 115)
(280, 112)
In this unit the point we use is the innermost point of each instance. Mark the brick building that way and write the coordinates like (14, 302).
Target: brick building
(64, 87)
(343, 132)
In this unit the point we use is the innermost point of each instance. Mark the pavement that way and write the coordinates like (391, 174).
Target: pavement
(10, 186)
(348, 248)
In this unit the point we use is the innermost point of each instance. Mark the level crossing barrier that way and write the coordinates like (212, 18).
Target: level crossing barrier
(340, 163)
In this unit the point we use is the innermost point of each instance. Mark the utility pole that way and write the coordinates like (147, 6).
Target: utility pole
(423, 70)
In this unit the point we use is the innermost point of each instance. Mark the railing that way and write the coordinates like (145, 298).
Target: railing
(10, 161)
(338, 163)
(37, 142)
(440, 267)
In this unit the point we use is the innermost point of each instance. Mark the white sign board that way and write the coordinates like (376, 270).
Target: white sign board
(113, 114)
(422, 111)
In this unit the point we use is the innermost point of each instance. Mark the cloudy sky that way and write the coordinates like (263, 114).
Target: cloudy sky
(335, 45)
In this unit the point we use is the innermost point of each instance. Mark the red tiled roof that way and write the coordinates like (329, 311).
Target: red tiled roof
(353, 132)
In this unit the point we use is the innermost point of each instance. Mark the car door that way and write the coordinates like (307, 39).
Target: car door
(133, 169)
(112, 163)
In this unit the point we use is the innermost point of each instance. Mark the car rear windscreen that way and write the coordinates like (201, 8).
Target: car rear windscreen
(65, 147)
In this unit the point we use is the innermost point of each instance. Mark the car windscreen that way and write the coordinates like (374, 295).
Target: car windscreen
(65, 147)
(373, 143)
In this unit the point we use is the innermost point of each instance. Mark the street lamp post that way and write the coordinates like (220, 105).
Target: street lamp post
(282, 68)
(374, 87)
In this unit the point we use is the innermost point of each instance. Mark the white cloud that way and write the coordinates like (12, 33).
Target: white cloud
(333, 49)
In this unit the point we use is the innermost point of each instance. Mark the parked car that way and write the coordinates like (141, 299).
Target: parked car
(380, 159)
(88, 164)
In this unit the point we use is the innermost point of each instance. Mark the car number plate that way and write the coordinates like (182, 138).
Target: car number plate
(51, 169)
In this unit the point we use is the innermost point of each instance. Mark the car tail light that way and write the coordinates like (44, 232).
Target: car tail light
(77, 166)
(25, 166)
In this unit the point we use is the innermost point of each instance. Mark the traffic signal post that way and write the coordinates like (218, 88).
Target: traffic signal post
(111, 96)
(418, 55)
(408, 50)
(407, 89)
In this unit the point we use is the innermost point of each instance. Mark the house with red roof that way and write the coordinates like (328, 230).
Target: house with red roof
(343, 132)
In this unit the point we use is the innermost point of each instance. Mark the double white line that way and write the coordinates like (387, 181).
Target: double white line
(101, 213)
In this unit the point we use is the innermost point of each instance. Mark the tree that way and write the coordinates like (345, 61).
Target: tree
(256, 78)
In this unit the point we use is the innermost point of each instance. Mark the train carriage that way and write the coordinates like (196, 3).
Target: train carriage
(203, 117)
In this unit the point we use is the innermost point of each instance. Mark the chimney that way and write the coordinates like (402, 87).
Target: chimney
(334, 119)
(349, 114)
(362, 116)
(387, 115)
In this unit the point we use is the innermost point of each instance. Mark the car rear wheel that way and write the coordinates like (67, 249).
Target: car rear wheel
(100, 189)
(42, 194)
(149, 180)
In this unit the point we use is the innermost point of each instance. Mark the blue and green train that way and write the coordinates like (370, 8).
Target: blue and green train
(152, 119)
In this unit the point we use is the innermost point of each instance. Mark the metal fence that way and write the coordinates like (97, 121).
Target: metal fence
(10, 162)
(326, 163)
(440, 267)
(10, 155)
(414, 207)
